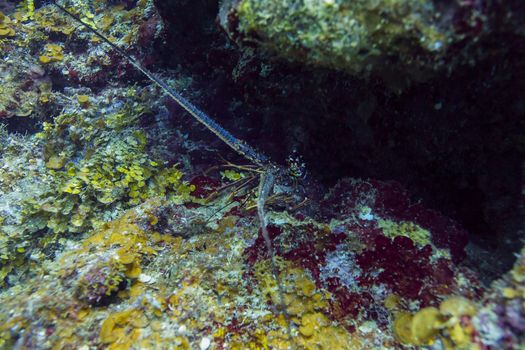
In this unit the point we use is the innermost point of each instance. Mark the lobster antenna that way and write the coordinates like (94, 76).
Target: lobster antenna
(239, 146)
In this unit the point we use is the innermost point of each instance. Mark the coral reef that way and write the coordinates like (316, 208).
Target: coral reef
(91, 167)
(121, 227)
(90, 162)
(126, 282)
(397, 40)
(25, 88)
(500, 323)
(211, 282)
(6, 29)
(454, 139)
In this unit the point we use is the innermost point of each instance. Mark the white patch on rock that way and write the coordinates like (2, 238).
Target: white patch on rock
(205, 343)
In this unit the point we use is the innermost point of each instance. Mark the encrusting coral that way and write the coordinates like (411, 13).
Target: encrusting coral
(93, 167)
(396, 40)
(52, 53)
(6, 30)
(451, 325)
(210, 281)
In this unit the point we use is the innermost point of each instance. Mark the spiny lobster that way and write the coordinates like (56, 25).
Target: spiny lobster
(269, 170)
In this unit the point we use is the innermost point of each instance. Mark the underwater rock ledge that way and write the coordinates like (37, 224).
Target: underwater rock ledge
(449, 131)
(395, 40)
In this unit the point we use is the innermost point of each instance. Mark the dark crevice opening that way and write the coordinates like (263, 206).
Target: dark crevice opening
(452, 141)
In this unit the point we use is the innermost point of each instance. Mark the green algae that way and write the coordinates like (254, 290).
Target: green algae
(359, 37)
(82, 170)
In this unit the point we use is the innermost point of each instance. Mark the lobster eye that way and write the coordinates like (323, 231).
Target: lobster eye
(296, 165)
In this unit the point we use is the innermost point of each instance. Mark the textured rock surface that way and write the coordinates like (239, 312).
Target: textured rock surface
(395, 40)
(104, 244)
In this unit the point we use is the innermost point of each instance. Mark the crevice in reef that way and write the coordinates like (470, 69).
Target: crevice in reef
(453, 141)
